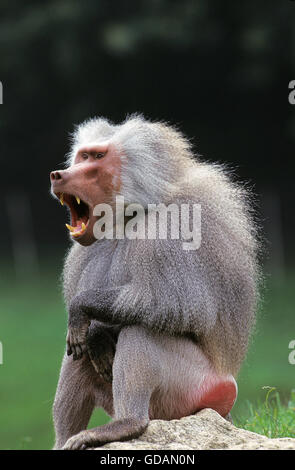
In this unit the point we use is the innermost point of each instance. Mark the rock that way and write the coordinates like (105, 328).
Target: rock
(204, 431)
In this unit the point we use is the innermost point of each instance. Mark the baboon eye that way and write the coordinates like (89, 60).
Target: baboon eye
(84, 156)
(100, 155)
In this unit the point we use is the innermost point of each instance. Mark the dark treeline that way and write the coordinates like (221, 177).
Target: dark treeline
(219, 69)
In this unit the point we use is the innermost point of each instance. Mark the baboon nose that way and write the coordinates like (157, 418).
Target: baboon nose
(55, 175)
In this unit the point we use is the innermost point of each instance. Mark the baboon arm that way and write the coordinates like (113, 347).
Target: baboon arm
(159, 296)
(100, 305)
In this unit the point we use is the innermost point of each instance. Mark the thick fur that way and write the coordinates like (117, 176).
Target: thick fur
(210, 292)
(187, 310)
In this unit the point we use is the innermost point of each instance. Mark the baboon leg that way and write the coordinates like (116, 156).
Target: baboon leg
(157, 377)
(74, 399)
(136, 373)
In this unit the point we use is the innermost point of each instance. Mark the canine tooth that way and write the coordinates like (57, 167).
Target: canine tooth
(78, 199)
(61, 199)
(83, 226)
(70, 228)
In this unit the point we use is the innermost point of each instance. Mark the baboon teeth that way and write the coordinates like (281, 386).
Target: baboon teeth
(78, 199)
(76, 231)
(61, 199)
(70, 228)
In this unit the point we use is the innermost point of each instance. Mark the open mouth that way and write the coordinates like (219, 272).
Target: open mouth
(79, 211)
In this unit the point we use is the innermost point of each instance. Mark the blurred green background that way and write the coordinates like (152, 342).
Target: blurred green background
(220, 70)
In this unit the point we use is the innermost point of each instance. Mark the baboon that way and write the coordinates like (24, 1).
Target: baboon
(154, 331)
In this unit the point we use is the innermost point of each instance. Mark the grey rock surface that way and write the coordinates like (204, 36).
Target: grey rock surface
(204, 431)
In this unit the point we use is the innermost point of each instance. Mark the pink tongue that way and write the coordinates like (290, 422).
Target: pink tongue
(77, 228)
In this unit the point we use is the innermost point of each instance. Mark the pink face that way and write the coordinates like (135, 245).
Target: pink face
(92, 179)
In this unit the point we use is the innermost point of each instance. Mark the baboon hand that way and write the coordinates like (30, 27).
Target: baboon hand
(76, 339)
(81, 441)
(118, 430)
(101, 347)
(78, 325)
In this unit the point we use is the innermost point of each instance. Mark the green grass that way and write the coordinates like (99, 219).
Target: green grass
(32, 332)
(267, 360)
(33, 329)
(270, 418)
